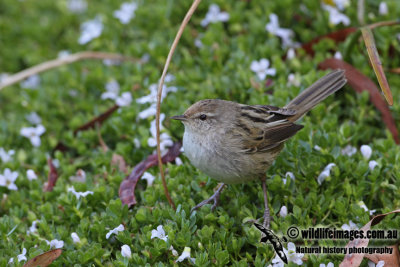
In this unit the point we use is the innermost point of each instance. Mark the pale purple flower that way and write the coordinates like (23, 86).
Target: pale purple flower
(214, 15)
(261, 68)
(56, 244)
(33, 133)
(366, 151)
(383, 8)
(31, 175)
(78, 195)
(330, 264)
(291, 54)
(379, 264)
(148, 112)
(34, 118)
(363, 206)
(178, 161)
(283, 212)
(22, 257)
(75, 238)
(186, 255)
(349, 150)
(112, 90)
(338, 55)
(126, 251)
(159, 233)
(32, 82)
(136, 142)
(116, 230)
(90, 29)
(335, 17)
(325, 173)
(291, 255)
(32, 228)
(350, 226)
(342, 4)
(8, 178)
(174, 252)
(63, 54)
(372, 164)
(274, 28)
(6, 156)
(124, 100)
(77, 6)
(126, 12)
(293, 80)
(290, 175)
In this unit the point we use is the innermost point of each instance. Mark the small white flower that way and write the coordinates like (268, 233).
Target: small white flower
(342, 4)
(120, 228)
(11, 260)
(349, 150)
(33, 133)
(325, 173)
(350, 226)
(318, 148)
(277, 262)
(32, 82)
(90, 29)
(178, 161)
(366, 151)
(33, 228)
(149, 178)
(22, 257)
(31, 175)
(159, 233)
(330, 264)
(56, 163)
(169, 78)
(63, 54)
(126, 12)
(292, 255)
(362, 205)
(33, 118)
(165, 142)
(293, 80)
(186, 255)
(4, 76)
(6, 156)
(283, 212)
(124, 100)
(78, 195)
(338, 55)
(274, 28)
(8, 178)
(214, 15)
(112, 90)
(372, 164)
(335, 17)
(174, 252)
(152, 97)
(77, 6)
(79, 177)
(383, 9)
(261, 68)
(153, 129)
(75, 238)
(56, 244)
(198, 43)
(148, 112)
(291, 54)
(290, 175)
(126, 251)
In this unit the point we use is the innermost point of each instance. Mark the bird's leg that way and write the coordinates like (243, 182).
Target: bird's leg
(267, 215)
(214, 198)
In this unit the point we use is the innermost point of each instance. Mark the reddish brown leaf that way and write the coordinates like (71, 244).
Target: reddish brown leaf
(127, 187)
(376, 63)
(338, 36)
(359, 82)
(389, 259)
(119, 161)
(44, 259)
(52, 178)
(354, 260)
(98, 120)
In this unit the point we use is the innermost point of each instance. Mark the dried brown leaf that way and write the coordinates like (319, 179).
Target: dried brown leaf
(354, 260)
(359, 82)
(376, 63)
(52, 177)
(127, 187)
(389, 259)
(44, 259)
(97, 120)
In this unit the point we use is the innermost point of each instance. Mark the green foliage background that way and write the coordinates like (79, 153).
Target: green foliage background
(35, 31)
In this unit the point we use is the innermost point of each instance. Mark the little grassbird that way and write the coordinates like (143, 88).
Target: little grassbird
(236, 143)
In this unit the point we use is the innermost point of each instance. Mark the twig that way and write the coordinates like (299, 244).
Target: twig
(383, 23)
(51, 64)
(360, 12)
(159, 93)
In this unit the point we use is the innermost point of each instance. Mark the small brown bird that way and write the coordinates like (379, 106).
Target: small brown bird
(235, 143)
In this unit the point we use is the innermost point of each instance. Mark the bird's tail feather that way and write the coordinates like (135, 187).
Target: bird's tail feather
(317, 92)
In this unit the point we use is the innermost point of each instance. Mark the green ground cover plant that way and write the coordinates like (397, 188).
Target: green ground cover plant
(213, 60)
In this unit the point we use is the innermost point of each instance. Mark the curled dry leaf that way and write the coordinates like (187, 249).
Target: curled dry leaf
(354, 260)
(97, 120)
(44, 259)
(389, 259)
(359, 82)
(376, 63)
(127, 187)
(52, 177)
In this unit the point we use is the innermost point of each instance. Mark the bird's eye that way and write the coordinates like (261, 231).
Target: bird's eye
(203, 117)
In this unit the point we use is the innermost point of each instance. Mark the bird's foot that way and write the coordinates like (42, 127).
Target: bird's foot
(214, 198)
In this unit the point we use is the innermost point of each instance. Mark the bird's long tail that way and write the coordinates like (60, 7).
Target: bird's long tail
(317, 92)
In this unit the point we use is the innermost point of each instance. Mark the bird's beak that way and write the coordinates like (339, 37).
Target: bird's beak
(179, 118)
